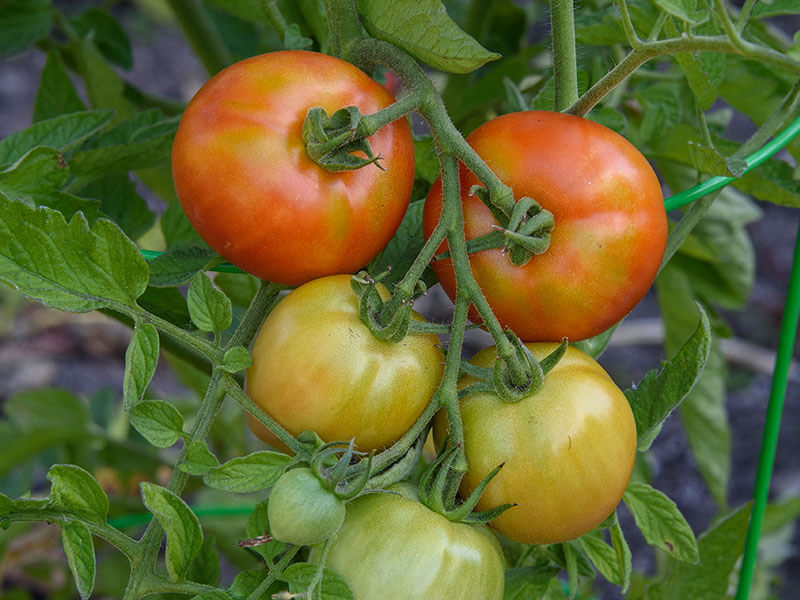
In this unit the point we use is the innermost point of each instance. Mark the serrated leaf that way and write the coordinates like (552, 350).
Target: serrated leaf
(177, 266)
(528, 583)
(251, 473)
(236, 359)
(685, 10)
(103, 86)
(257, 526)
(46, 408)
(660, 522)
(69, 266)
(332, 586)
(720, 548)
(23, 23)
(198, 459)
(613, 561)
(209, 308)
(776, 8)
(39, 171)
(107, 33)
(159, 422)
(184, 535)
(425, 30)
(75, 490)
(659, 393)
(56, 94)
(79, 548)
(141, 359)
(704, 71)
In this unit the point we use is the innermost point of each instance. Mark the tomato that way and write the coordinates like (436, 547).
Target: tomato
(391, 546)
(317, 366)
(568, 449)
(610, 225)
(248, 187)
(301, 511)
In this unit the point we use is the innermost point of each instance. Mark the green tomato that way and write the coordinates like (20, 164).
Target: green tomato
(391, 546)
(301, 511)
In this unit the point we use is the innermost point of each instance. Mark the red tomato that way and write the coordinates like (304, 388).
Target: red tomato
(610, 225)
(249, 188)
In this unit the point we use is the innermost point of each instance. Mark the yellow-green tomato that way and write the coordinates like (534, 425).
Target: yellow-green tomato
(301, 511)
(391, 547)
(317, 366)
(568, 449)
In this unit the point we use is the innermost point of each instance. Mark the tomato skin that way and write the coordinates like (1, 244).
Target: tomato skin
(301, 511)
(610, 225)
(568, 449)
(248, 187)
(391, 546)
(317, 366)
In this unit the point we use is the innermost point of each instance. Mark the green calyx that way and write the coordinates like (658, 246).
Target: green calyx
(526, 232)
(503, 383)
(333, 464)
(438, 489)
(387, 320)
(333, 141)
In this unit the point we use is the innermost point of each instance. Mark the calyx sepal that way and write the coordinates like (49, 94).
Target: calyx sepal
(388, 321)
(504, 385)
(331, 141)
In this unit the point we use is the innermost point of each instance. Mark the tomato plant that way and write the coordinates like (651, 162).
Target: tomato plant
(567, 450)
(301, 511)
(610, 225)
(391, 546)
(317, 366)
(248, 187)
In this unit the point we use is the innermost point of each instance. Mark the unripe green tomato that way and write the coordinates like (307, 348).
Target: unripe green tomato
(391, 547)
(301, 511)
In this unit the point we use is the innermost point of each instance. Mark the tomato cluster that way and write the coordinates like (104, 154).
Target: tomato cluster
(249, 188)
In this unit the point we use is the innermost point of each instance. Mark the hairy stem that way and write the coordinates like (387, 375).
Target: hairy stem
(565, 66)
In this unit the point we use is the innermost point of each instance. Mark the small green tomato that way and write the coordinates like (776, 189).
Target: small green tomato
(301, 511)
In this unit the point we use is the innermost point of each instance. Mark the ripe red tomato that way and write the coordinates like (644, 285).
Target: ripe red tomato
(249, 188)
(391, 546)
(568, 449)
(610, 225)
(317, 366)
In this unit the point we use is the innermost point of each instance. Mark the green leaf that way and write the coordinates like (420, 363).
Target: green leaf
(120, 202)
(257, 527)
(69, 266)
(239, 287)
(213, 595)
(710, 161)
(776, 8)
(147, 148)
(425, 30)
(177, 266)
(209, 308)
(47, 408)
(245, 583)
(159, 422)
(56, 94)
(40, 172)
(6, 505)
(704, 71)
(528, 583)
(184, 535)
(103, 86)
(686, 10)
(107, 33)
(659, 393)
(773, 182)
(236, 359)
(58, 132)
(247, 10)
(23, 23)
(332, 587)
(661, 522)
(74, 490)
(177, 229)
(79, 548)
(613, 561)
(404, 246)
(141, 359)
(251, 473)
(720, 548)
(198, 459)
(609, 117)
(167, 303)
(20, 446)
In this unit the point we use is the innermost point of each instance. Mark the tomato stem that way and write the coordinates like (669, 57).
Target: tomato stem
(565, 66)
